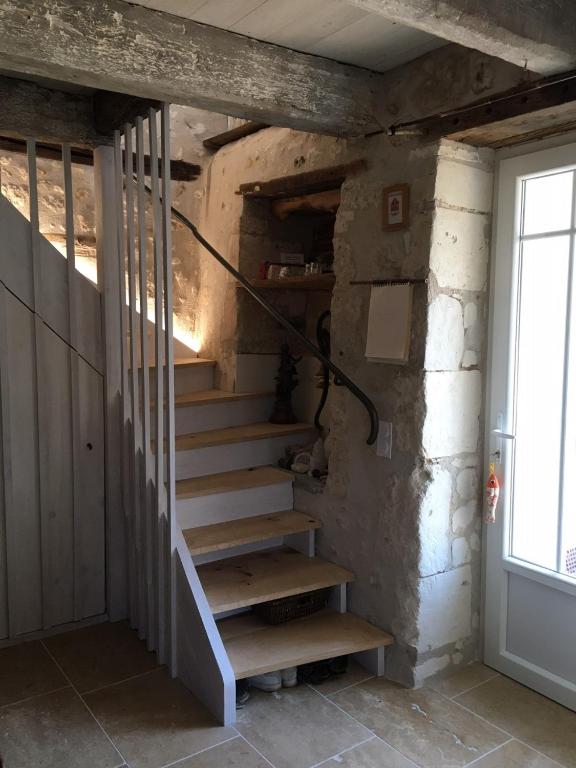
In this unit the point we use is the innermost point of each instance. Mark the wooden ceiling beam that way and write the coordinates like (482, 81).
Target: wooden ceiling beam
(31, 111)
(123, 48)
(534, 34)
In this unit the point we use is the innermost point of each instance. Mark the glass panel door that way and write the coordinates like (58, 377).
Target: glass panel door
(543, 524)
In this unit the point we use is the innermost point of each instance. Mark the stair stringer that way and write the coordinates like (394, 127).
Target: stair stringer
(202, 663)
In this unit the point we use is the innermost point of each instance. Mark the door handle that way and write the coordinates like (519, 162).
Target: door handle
(503, 435)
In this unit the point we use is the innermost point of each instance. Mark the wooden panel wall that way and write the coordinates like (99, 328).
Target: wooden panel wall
(52, 499)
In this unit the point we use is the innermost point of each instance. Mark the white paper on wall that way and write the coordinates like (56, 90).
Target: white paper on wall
(389, 323)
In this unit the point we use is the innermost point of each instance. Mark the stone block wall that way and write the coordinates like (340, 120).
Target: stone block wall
(450, 516)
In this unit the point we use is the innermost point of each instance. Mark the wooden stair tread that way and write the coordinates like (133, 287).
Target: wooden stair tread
(215, 396)
(239, 434)
(237, 480)
(261, 576)
(197, 362)
(232, 533)
(255, 648)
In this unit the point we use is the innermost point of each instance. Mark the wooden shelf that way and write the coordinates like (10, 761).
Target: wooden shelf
(255, 648)
(234, 533)
(225, 482)
(299, 283)
(227, 435)
(257, 577)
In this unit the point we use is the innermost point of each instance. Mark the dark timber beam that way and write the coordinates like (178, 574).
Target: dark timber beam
(114, 46)
(536, 34)
(180, 170)
(31, 111)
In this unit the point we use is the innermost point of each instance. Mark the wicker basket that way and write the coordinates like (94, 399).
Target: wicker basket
(295, 607)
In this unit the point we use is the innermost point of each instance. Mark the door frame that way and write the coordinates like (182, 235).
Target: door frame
(523, 160)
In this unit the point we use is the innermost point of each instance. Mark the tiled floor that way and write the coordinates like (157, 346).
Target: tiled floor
(94, 698)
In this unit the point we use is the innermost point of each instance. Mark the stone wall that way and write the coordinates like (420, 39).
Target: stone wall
(450, 522)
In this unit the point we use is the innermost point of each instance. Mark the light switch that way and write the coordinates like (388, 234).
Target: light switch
(384, 442)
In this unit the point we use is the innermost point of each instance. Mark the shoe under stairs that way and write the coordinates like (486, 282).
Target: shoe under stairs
(235, 510)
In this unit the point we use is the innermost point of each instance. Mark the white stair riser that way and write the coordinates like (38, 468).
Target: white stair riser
(188, 378)
(244, 549)
(234, 505)
(200, 418)
(225, 458)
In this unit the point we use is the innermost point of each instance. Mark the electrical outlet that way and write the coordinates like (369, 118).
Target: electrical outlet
(384, 442)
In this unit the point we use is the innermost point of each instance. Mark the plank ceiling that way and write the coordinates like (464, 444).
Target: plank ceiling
(331, 28)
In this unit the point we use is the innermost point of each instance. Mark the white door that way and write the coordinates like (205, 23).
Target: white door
(530, 611)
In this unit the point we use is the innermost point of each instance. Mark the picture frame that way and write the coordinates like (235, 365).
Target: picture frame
(396, 208)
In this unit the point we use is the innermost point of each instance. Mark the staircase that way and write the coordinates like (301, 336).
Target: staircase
(235, 511)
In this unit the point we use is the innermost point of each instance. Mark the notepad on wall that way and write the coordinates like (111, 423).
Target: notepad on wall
(389, 323)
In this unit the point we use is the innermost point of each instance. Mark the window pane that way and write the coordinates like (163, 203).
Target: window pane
(548, 203)
(539, 397)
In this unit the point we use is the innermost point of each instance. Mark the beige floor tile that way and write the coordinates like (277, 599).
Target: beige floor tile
(466, 678)
(53, 731)
(515, 755)
(372, 754)
(27, 670)
(354, 674)
(100, 655)
(155, 720)
(233, 754)
(297, 728)
(422, 724)
(532, 718)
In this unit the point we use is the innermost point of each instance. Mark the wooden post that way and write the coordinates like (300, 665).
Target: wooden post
(149, 531)
(162, 541)
(108, 256)
(169, 371)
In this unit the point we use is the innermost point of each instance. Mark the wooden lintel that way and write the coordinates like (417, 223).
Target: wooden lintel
(539, 106)
(113, 110)
(227, 137)
(29, 110)
(180, 169)
(121, 47)
(302, 183)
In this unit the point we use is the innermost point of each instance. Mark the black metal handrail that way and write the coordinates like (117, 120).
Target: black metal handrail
(339, 374)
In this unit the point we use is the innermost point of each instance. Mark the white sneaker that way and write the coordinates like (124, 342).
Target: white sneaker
(290, 677)
(270, 682)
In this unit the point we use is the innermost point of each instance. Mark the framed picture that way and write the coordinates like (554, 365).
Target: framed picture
(396, 207)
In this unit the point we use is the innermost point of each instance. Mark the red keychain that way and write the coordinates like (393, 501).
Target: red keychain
(492, 493)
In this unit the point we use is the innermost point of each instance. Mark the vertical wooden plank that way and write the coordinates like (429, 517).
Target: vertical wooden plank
(162, 539)
(73, 336)
(20, 453)
(169, 378)
(38, 406)
(70, 247)
(108, 255)
(5, 469)
(34, 220)
(126, 439)
(90, 535)
(136, 447)
(147, 480)
(56, 462)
